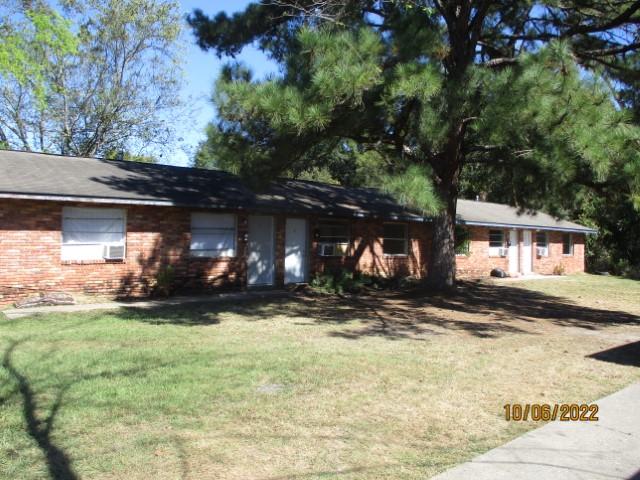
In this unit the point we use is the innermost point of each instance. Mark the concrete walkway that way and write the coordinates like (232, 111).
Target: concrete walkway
(172, 301)
(606, 449)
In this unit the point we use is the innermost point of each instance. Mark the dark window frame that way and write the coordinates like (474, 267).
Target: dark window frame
(405, 240)
(345, 246)
(570, 243)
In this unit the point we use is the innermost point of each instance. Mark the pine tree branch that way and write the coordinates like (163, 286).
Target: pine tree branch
(499, 62)
(616, 21)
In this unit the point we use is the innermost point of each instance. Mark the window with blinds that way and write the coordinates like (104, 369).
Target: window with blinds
(92, 233)
(213, 235)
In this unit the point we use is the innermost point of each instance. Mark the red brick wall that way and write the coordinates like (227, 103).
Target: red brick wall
(571, 263)
(366, 253)
(30, 244)
(479, 264)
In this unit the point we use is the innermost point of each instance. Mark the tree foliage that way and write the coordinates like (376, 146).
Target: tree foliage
(115, 90)
(516, 91)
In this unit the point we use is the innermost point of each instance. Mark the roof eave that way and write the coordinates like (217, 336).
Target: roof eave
(528, 226)
(211, 206)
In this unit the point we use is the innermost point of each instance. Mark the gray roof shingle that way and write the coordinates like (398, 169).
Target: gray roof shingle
(497, 214)
(50, 177)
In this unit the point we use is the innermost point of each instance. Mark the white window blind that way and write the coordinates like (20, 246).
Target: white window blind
(213, 235)
(86, 231)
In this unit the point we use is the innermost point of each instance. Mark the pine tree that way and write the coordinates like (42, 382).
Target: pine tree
(517, 89)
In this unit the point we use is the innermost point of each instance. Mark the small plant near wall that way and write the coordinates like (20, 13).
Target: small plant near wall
(164, 281)
(559, 269)
(344, 281)
(337, 282)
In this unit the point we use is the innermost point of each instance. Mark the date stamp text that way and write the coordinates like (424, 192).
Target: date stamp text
(544, 412)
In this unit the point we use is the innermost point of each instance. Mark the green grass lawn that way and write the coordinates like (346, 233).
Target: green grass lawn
(386, 387)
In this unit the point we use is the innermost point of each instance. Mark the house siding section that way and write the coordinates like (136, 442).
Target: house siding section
(478, 263)
(366, 252)
(570, 263)
(30, 244)
(30, 253)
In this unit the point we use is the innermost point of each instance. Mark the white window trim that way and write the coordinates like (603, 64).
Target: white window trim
(122, 243)
(405, 240)
(346, 244)
(235, 237)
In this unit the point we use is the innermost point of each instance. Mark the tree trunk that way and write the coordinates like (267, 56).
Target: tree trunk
(442, 264)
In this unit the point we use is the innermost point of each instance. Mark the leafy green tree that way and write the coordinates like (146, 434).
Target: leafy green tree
(31, 36)
(118, 90)
(513, 88)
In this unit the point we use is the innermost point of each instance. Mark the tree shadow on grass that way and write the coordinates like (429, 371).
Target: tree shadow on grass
(628, 354)
(58, 462)
(480, 309)
(40, 428)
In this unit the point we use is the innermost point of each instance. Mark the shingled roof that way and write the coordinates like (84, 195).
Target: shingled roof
(55, 177)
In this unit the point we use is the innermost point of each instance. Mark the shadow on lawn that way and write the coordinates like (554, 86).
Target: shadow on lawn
(628, 354)
(480, 309)
(40, 427)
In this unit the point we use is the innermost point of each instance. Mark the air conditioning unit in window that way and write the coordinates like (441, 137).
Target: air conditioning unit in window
(327, 249)
(541, 251)
(503, 251)
(113, 252)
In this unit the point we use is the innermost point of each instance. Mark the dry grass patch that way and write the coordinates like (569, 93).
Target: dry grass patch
(394, 386)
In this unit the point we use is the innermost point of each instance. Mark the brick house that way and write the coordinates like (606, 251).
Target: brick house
(109, 227)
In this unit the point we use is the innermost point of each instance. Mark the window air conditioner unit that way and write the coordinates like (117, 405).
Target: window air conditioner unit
(541, 251)
(113, 252)
(327, 249)
(503, 251)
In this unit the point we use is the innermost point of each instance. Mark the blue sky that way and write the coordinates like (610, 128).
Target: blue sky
(201, 69)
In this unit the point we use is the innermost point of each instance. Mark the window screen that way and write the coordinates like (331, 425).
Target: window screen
(213, 235)
(86, 231)
(394, 241)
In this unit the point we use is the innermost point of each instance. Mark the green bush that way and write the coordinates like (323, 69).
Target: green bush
(342, 281)
(164, 281)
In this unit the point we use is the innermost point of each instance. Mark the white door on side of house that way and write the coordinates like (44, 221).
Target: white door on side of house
(527, 257)
(261, 255)
(295, 251)
(513, 252)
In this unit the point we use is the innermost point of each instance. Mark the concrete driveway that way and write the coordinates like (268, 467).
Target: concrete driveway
(606, 449)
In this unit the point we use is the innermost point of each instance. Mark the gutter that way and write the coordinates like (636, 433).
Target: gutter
(588, 231)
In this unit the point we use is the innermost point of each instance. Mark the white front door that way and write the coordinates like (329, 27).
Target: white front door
(260, 257)
(526, 252)
(295, 251)
(513, 252)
